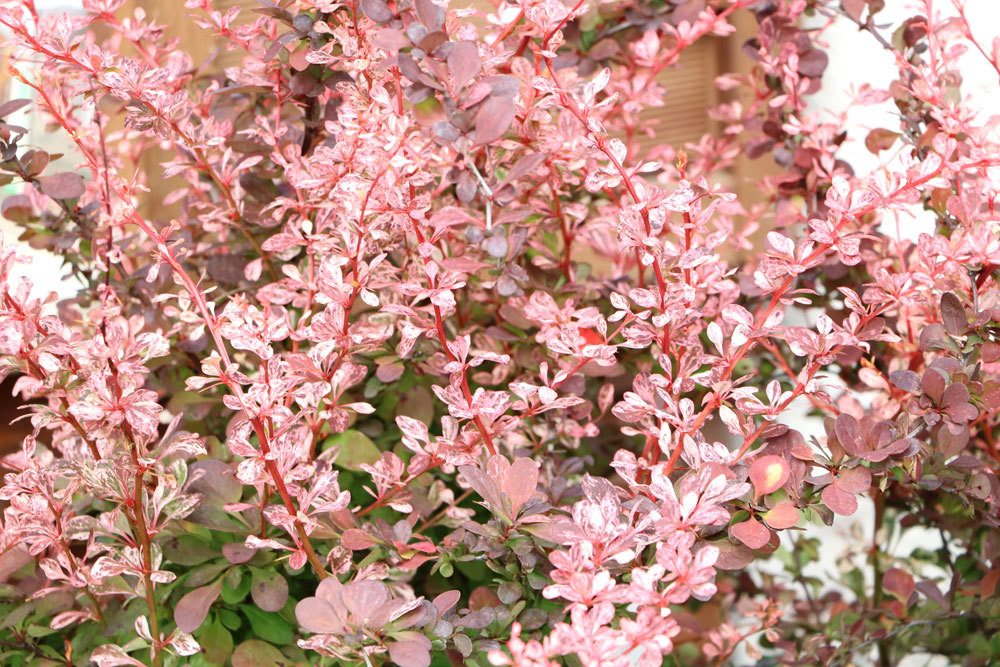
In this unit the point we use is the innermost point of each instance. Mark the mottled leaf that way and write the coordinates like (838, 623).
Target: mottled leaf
(357, 540)
(520, 483)
(268, 589)
(768, 474)
(906, 380)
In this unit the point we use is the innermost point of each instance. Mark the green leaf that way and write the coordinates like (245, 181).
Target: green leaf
(188, 550)
(230, 619)
(270, 626)
(355, 448)
(216, 642)
(235, 586)
(255, 653)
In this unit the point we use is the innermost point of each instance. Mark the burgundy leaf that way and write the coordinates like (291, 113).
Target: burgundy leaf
(493, 119)
(751, 533)
(463, 63)
(933, 384)
(269, 590)
(953, 314)
(377, 10)
(846, 428)
(430, 14)
(238, 553)
(840, 501)
(17, 208)
(906, 380)
(900, 583)
(191, 610)
(11, 106)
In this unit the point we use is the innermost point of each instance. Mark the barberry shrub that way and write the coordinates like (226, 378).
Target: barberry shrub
(427, 359)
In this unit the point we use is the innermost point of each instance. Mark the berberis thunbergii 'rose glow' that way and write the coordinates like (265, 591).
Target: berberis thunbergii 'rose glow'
(418, 347)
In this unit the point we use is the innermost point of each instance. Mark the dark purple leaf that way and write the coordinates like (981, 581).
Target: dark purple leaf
(430, 44)
(463, 63)
(278, 44)
(812, 63)
(493, 119)
(933, 384)
(732, 556)
(906, 380)
(10, 106)
(64, 185)
(846, 428)
(934, 337)
(34, 162)
(430, 14)
(953, 314)
(377, 10)
(276, 12)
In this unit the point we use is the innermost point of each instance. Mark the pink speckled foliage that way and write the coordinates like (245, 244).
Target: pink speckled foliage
(426, 359)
